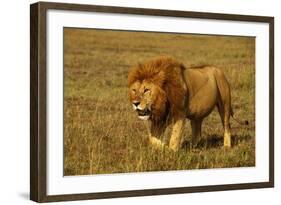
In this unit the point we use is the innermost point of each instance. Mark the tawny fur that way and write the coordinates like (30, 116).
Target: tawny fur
(177, 93)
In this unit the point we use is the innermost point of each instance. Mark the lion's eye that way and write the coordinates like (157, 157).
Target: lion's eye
(133, 90)
(146, 90)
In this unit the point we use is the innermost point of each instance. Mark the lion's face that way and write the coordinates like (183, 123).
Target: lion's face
(143, 96)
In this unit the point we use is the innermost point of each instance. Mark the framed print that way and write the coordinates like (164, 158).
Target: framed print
(133, 102)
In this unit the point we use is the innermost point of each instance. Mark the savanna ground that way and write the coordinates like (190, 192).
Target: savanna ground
(102, 133)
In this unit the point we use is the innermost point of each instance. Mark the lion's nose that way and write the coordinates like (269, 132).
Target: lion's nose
(136, 103)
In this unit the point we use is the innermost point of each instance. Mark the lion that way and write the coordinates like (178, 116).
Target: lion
(165, 92)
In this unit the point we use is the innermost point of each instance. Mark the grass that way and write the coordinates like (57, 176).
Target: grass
(102, 134)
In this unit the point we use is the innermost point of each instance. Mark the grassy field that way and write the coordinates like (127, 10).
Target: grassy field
(102, 133)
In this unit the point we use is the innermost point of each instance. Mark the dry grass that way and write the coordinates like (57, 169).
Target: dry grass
(101, 132)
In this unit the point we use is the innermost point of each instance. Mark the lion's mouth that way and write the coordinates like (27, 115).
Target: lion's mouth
(144, 114)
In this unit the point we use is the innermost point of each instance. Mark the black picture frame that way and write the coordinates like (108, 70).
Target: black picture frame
(38, 101)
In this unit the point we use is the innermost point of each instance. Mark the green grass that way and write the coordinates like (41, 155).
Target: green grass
(102, 133)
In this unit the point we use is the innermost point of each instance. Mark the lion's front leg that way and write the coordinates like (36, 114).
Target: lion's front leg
(176, 135)
(156, 142)
(156, 132)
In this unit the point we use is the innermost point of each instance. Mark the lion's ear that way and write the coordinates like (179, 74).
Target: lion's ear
(159, 78)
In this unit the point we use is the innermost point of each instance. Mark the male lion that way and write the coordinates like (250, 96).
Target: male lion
(165, 92)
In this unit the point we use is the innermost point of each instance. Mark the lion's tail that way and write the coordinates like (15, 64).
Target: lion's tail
(241, 122)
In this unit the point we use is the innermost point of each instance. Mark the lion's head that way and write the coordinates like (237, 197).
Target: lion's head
(150, 86)
(146, 98)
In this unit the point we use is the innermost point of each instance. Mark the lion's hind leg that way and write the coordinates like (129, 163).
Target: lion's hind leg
(196, 131)
(224, 105)
(227, 134)
(225, 115)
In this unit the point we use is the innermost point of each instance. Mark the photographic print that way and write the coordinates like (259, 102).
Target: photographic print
(137, 101)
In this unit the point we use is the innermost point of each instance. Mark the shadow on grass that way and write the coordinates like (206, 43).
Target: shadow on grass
(214, 141)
